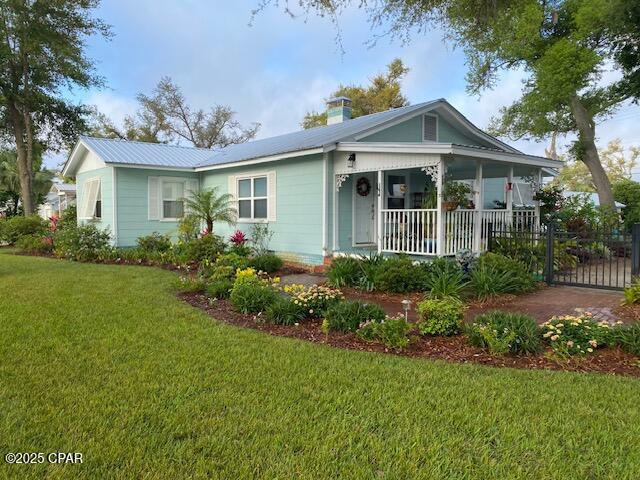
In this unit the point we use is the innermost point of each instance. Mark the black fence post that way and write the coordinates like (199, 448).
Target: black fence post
(489, 235)
(635, 249)
(548, 265)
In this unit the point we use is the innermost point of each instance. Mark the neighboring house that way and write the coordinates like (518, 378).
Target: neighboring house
(592, 197)
(353, 186)
(60, 196)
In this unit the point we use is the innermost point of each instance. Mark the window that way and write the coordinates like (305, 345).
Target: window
(430, 128)
(252, 198)
(91, 205)
(172, 199)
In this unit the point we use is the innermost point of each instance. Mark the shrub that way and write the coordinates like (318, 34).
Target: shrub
(232, 260)
(632, 292)
(576, 335)
(627, 337)
(252, 296)
(80, 242)
(314, 300)
(392, 332)
(369, 267)
(445, 278)
(495, 274)
(440, 316)
(190, 285)
(503, 332)
(35, 243)
(399, 274)
(206, 247)
(284, 312)
(344, 272)
(220, 288)
(13, 228)
(348, 316)
(267, 262)
(155, 242)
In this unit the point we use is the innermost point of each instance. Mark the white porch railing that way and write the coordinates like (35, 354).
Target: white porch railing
(415, 231)
(409, 231)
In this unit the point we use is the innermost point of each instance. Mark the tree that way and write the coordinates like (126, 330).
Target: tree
(10, 193)
(41, 56)
(575, 175)
(562, 46)
(164, 116)
(383, 93)
(208, 206)
(627, 192)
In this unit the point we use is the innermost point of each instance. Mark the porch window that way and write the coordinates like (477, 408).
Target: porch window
(172, 200)
(253, 198)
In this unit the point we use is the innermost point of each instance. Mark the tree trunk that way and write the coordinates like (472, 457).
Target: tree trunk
(210, 226)
(25, 163)
(590, 157)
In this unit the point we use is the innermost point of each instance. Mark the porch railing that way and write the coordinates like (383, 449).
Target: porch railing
(409, 231)
(415, 231)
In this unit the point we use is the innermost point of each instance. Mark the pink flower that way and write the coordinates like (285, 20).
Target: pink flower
(238, 238)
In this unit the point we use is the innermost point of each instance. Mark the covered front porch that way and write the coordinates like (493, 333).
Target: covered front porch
(399, 202)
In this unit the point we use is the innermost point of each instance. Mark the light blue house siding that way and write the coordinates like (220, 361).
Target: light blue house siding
(106, 196)
(298, 225)
(411, 131)
(132, 197)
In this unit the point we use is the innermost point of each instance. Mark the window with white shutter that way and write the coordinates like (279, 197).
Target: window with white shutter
(430, 128)
(91, 205)
(166, 197)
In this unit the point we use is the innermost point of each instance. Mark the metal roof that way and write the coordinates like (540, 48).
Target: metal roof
(311, 138)
(65, 187)
(170, 156)
(148, 154)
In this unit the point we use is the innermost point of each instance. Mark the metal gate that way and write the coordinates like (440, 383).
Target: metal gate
(604, 258)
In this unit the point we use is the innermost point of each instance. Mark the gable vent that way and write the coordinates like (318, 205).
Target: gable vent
(430, 128)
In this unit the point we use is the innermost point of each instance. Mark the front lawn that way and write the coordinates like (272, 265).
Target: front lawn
(105, 360)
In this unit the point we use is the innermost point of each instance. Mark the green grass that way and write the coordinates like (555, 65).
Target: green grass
(104, 360)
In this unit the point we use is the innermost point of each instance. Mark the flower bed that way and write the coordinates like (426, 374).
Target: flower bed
(454, 349)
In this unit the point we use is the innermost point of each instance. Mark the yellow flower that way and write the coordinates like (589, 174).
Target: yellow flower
(590, 350)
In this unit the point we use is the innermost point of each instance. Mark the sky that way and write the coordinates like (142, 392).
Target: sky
(274, 68)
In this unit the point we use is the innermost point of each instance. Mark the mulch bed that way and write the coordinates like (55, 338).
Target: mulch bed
(451, 349)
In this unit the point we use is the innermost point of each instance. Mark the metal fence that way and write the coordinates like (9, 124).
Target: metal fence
(601, 258)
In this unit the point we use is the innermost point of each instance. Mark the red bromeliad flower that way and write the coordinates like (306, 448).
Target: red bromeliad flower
(53, 223)
(238, 238)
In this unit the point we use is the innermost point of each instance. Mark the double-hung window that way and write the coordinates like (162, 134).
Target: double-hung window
(253, 198)
(172, 199)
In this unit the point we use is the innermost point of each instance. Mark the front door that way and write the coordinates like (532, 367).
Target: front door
(364, 209)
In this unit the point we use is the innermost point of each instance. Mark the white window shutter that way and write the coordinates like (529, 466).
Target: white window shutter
(154, 198)
(192, 185)
(89, 198)
(271, 192)
(232, 190)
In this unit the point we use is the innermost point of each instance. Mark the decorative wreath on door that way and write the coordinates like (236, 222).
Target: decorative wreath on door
(363, 186)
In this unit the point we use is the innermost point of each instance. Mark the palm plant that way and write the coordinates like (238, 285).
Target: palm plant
(208, 206)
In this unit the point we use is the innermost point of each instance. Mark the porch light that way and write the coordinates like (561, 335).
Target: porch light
(351, 161)
(406, 306)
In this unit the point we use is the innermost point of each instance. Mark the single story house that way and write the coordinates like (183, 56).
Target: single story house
(60, 196)
(374, 183)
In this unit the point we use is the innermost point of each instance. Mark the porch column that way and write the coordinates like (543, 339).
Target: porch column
(510, 189)
(537, 202)
(479, 201)
(380, 207)
(509, 198)
(325, 205)
(334, 230)
(439, 216)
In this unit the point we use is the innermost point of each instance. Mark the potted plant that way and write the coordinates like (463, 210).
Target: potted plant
(454, 193)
